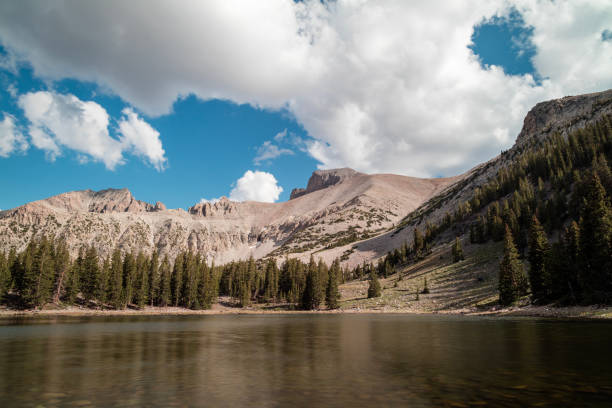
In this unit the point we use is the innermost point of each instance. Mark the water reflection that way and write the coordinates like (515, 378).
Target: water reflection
(304, 360)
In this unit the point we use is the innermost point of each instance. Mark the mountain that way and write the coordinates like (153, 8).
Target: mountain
(338, 206)
(341, 213)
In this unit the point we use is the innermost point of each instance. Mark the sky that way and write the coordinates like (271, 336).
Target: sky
(188, 101)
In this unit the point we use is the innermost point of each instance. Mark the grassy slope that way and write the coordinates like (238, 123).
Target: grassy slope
(467, 284)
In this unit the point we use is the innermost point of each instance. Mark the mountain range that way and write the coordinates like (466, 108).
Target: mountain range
(341, 213)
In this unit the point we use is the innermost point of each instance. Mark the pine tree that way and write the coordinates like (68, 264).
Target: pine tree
(130, 272)
(141, 284)
(512, 279)
(38, 276)
(596, 243)
(271, 281)
(312, 295)
(115, 288)
(374, 289)
(154, 278)
(5, 276)
(177, 280)
(332, 294)
(539, 276)
(165, 292)
(90, 274)
(457, 251)
(62, 270)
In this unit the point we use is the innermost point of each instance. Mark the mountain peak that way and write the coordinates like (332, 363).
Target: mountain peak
(321, 179)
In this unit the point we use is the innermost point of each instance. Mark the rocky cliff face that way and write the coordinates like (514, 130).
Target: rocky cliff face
(321, 179)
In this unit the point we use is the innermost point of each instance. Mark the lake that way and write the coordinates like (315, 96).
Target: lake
(304, 360)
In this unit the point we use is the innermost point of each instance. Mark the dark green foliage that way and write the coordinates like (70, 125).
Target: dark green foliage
(596, 243)
(90, 274)
(374, 289)
(115, 287)
(457, 251)
(512, 279)
(5, 276)
(271, 281)
(313, 293)
(332, 294)
(539, 251)
(165, 292)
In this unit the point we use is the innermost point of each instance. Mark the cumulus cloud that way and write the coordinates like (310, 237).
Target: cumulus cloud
(11, 139)
(207, 200)
(59, 121)
(381, 86)
(269, 151)
(142, 139)
(256, 186)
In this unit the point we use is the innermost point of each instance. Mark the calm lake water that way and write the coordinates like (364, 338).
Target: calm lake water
(304, 361)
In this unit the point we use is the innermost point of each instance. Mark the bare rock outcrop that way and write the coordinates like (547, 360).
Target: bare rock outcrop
(321, 179)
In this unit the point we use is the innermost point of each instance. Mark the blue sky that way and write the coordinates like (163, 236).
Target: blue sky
(302, 113)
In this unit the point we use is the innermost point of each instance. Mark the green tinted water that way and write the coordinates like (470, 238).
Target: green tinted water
(305, 361)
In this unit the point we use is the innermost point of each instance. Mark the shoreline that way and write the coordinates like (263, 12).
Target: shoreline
(571, 312)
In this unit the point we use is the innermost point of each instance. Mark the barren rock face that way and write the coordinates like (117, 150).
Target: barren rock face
(321, 179)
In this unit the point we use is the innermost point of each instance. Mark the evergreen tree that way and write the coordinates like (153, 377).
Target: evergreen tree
(312, 296)
(141, 283)
(332, 294)
(130, 272)
(374, 289)
(154, 278)
(38, 276)
(177, 279)
(539, 276)
(271, 281)
(90, 274)
(512, 279)
(62, 270)
(115, 287)
(457, 251)
(596, 243)
(5, 276)
(165, 292)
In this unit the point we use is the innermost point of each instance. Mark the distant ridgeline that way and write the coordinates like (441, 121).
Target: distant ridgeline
(559, 188)
(44, 273)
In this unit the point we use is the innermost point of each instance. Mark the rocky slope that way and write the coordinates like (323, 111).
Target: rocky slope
(338, 206)
(340, 214)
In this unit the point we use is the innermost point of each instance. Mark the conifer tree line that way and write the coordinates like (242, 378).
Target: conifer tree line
(556, 190)
(44, 273)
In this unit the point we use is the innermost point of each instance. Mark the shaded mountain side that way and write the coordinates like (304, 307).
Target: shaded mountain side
(335, 208)
(557, 117)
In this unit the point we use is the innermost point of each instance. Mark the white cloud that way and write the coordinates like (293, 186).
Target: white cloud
(65, 121)
(256, 186)
(269, 151)
(382, 86)
(11, 139)
(280, 135)
(60, 121)
(142, 139)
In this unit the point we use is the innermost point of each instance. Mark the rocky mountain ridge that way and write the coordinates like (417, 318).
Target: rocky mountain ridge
(340, 214)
